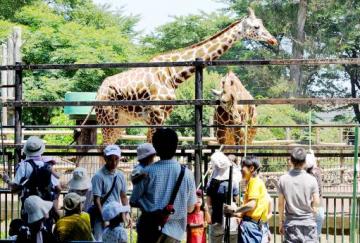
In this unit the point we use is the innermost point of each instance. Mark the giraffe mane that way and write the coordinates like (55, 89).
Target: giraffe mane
(215, 35)
(203, 41)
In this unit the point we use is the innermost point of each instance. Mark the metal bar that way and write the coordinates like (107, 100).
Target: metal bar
(18, 112)
(342, 221)
(327, 219)
(335, 228)
(277, 101)
(198, 119)
(354, 201)
(204, 146)
(323, 61)
(184, 125)
(274, 218)
(6, 215)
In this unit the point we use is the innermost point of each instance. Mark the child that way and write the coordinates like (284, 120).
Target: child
(198, 221)
(115, 232)
(145, 155)
(14, 228)
(254, 211)
(56, 188)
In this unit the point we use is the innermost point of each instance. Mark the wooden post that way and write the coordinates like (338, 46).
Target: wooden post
(4, 91)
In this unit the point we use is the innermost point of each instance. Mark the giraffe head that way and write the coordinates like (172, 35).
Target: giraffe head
(231, 92)
(253, 28)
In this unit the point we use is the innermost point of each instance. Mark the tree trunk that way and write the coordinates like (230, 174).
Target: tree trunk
(296, 77)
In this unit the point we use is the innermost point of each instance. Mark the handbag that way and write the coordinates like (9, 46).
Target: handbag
(93, 210)
(158, 218)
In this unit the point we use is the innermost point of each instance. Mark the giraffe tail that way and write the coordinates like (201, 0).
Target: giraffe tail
(77, 131)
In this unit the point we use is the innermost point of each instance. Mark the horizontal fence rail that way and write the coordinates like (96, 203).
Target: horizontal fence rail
(293, 101)
(204, 146)
(185, 125)
(324, 61)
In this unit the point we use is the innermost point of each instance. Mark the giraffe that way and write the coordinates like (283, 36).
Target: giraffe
(160, 83)
(230, 113)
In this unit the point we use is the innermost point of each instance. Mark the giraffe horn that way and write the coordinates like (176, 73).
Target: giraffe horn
(251, 12)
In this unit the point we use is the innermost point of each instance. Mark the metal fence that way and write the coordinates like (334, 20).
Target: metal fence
(336, 226)
(197, 154)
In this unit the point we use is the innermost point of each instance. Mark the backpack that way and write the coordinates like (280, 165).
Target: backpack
(39, 182)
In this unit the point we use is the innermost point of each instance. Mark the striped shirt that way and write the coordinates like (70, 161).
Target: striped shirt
(154, 192)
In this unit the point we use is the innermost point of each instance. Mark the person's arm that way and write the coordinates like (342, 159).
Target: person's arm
(207, 215)
(97, 203)
(15, 188)
(137, 192)
(192, 191)
(54, 173)
(281, 206)
(250, 205)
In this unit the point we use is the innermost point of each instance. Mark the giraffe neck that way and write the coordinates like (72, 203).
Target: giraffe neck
(208, 50)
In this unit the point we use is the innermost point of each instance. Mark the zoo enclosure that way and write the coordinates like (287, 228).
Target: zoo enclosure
(18, 104)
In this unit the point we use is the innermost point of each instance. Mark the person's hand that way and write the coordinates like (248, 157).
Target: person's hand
(281, 228)
(128, 221)
(229, 209)
(5, 177)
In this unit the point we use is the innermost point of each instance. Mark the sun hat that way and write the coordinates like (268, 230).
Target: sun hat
(112, 150)
(80, 180)
(310, 160)
(72, 200)
(145, 150)
(220, 165)
(113, 209)
(36, 208)
(34, 146)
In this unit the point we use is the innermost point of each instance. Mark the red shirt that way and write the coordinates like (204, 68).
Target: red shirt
(196, 234)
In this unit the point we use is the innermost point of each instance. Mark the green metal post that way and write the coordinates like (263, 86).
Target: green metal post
(354, 196)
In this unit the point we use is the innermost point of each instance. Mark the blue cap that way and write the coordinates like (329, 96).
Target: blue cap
(112, 150)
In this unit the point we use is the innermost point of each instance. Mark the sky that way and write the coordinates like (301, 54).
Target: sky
(157, 12)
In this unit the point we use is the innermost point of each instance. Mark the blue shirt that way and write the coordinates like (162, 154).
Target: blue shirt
(102, 182)
(155, 190)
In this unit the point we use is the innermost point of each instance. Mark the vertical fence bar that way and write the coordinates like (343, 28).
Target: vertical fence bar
(6, 214)
(342, 221)
(198, 118)
(327, 219)
(354, 196)
(274, 218)
(18, 112)
(335, 220)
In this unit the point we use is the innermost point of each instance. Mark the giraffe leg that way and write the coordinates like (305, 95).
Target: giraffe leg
(155, 117)
(108, 116)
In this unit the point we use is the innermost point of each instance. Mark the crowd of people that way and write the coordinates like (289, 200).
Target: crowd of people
(172, 208)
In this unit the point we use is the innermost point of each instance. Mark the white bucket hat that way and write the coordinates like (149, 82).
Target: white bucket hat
(145, 150)
(36, 208)
(79, 180)
(113, 209)
(112, 150)
(310, 160)
(34, 146)
(220, 166)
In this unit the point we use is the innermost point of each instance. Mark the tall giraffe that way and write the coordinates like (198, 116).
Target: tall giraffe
(230, 113)
(160, 83)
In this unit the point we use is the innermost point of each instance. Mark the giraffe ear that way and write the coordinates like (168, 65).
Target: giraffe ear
(216, 92)
(251, 12)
